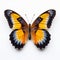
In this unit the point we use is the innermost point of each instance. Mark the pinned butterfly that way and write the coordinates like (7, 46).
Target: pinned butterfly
(38, 31)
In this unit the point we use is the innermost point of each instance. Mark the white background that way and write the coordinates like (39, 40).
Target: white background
(29, 52)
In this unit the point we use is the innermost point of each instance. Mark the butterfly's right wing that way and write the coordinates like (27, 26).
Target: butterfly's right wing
(19, 35)
(40, 26)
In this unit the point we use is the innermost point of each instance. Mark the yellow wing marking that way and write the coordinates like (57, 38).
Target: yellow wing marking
(16, 23)
(43, 23)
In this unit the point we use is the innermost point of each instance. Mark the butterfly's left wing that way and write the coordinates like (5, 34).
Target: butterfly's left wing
(19, 35)
(39, 33)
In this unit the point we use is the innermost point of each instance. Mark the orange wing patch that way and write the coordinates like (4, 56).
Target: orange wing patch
(21, 36)
(38, 36)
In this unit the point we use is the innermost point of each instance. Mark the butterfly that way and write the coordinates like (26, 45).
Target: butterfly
(38, 31)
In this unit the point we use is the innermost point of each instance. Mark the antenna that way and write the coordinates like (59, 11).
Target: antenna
(32, 17)
(27, 18)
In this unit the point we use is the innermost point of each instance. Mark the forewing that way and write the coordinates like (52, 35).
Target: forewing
(45, 19)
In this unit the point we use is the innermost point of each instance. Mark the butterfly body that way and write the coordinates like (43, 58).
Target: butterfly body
(29, 31)
(37, 32)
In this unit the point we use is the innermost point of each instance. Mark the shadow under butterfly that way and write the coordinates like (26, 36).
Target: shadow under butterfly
(38, 31)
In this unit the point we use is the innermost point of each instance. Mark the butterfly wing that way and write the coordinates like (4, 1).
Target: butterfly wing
(19, 35)
(39, 33)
